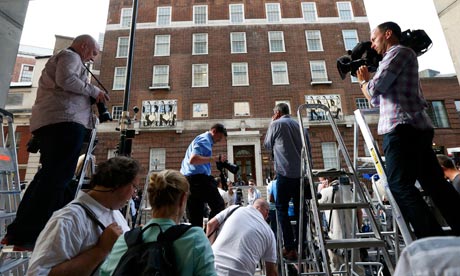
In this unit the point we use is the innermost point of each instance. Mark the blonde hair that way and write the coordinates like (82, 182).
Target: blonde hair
(165, 189)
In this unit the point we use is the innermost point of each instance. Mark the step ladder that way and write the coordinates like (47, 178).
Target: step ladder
(375, 241)
(11, 262)
(378, 162)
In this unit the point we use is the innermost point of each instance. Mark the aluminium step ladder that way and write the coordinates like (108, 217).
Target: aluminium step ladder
(376, 241)
(11, 262)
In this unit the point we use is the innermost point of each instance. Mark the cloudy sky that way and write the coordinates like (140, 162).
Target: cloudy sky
(45, 18)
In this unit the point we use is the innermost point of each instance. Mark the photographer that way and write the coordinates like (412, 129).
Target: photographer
(196, 166)
(408, 134)
(60, 118)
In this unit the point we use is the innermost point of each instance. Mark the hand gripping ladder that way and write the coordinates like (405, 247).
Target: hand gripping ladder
(376, 241)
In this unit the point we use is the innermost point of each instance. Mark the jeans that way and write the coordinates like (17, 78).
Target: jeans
(287, 189)
(203, 189)
(60, 146)
(408, 157)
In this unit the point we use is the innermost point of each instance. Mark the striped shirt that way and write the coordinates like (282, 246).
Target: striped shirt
(396, 89)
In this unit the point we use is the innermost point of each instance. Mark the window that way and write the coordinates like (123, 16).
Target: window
(122, 47)
(276, 42)
(162, 45)
(126, 16)
(330, 158)
(116, 112)
(200, 44)
(238, 42)
(279, 73)
(350, 39)
(200, 14)
(457, 107)
(119, 78)
(236, 13)
(273, 12)
(160, 76)
(200, 110)
(199, 75)
(437, 112)
(318, 71)
(163, 16)
(240, 74)
(345, 12)
(157, 159)
(309, 11)
(27, 72)
(314, 43)
(241, 108)
(362, 103)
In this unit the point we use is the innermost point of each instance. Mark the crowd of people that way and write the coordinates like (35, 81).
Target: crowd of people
(85, 236)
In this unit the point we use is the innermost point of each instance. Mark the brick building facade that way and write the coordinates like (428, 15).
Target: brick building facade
(200, 62)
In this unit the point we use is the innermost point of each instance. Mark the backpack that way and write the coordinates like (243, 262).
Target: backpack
(150, 258)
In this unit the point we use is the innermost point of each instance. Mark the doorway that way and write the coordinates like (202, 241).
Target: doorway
(244, 157)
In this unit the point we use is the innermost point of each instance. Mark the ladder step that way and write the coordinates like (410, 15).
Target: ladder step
(354, 205)
(330, 173)
(354, 243)
(368, 159)
(4, 215)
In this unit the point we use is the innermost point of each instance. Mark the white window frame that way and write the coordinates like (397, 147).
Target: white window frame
(236, 15)
(196, 41)
(232, 41)
(119, 80)
(196, 14)
(116, 112)
(159, 45)
(306, 9)
(203, 111)
(205, 72)
(157, 76)
(362, 103)
(164, 16)
(311, 37)
(273, 15)
(275, 77)
(126, 15)
(160, 155)
(342, 12)
(330, 155)
(272, 38)
(21, 75)
(241, 106)
(348, 35)
(240, 78)
(120, 45)
(315, 80)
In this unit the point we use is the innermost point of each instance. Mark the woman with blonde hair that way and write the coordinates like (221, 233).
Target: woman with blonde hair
(168, 192)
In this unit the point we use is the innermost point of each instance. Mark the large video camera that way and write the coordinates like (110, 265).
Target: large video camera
(363, 54)
(221, 166)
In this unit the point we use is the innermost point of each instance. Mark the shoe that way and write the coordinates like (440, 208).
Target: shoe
(290, 255)
(4, 240)
(23, 247)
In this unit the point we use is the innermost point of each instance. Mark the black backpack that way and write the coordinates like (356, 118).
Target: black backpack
(150, 258)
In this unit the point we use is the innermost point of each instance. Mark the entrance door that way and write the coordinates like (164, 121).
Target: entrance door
(244, 157)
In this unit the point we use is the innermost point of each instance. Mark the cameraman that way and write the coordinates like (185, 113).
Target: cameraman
(407, 134)
(196, 166)
(60, 118)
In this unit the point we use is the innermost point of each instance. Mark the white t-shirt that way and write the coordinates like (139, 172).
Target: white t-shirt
(244, 240)
(69, 232)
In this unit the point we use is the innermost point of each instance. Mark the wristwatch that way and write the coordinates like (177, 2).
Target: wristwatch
(362, 83)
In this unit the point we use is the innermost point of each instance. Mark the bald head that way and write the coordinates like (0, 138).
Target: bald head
(263, 207)
(86, 46)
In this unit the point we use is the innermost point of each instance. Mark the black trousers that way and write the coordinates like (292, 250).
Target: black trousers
(203, 190)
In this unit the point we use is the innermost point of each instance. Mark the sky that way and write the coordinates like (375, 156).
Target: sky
(46, 18)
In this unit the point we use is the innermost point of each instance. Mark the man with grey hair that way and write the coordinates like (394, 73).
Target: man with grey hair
(60, 118)
(284, 140)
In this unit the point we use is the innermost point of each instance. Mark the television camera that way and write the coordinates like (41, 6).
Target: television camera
(363, 54)
(223, 165)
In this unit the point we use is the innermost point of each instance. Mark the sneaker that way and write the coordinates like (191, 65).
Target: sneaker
(290, 255)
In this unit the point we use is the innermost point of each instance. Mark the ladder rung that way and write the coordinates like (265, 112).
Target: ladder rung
(368, 159)
(10, 192)
(4, 215)
(354, 243)
(355, 205)
(329, 173)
